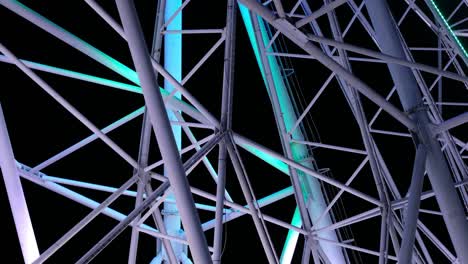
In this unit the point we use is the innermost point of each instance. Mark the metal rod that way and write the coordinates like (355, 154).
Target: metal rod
(16, 198)
(98, 247)
(302, 41)
(412, 210)
(106, 17)
(206, 161)
(246, 143)
(88, 218)
(242, 209)
(388, 58)
(273, 90)
(70, 108)
(76, 75)
(233, 214)
(88, 139)
(439, 174)
(90, 51)
(285, 117)
(242, 178)
(70, 39)
(37, 178)
(226, 116)
(320, 12)
(451, 123)
(172, 57)
(163, 132)
(328, 146)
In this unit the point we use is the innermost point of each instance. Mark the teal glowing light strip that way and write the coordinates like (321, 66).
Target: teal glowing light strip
(91, 51)
(173, 58)
(278, 164)
(94, 79)
(77, 75)
(291, 239)
(449, 29)
(309, 185)
(173, 65)
(283, 97)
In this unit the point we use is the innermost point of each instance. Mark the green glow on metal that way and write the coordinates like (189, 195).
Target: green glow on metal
(77, 75)
(288, 118)
(278, 164)
(284, 100)
(250, 32)
(291, 239)
(74, 41)
(455, 37)
(311, 189)
(92, 79)
(106, 60)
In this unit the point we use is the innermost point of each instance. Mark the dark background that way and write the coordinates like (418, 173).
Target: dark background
(39, 127)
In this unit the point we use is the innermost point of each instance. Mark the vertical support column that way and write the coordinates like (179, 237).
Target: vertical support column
(173, 64)
(412, 210)
(439, 173)
(226, 117)
(16, 197)
(144, 185)
(163, 132)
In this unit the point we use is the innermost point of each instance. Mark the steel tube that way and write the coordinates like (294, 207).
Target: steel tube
(412, 209)
(259, 225)
(439, 173)
(70, 108)
(163, 132)
(244, 142)
(36, 178)
(172, 57)
(16, 198)
(451, 123)
(70, 39)
(88, 218)
(98, 247)
(226, 110)
(302, 41)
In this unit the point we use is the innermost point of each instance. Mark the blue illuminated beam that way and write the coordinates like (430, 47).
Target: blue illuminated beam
(173, 65)
(291, 240)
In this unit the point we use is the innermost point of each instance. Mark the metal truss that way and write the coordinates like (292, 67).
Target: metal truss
(417, 103)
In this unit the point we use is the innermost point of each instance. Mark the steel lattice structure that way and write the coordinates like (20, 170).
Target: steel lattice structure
(337, 39)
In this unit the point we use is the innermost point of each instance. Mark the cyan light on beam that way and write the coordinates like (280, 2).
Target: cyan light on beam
(457, 40)
(71, 39)
(291, 239)
(283, 167)
(77, 75)
(173, 57)
(250, 32)
(281, 90)
(289, 118)
(173, 65)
